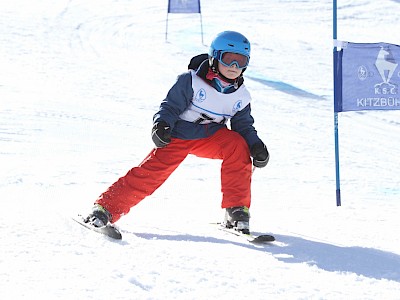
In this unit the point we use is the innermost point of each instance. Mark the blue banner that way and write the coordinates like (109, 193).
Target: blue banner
(367, 77)
(184, 6)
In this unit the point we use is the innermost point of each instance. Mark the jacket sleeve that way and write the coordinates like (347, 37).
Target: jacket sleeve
(242, 122)
(178, 99)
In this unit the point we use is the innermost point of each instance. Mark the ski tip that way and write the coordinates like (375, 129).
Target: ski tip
(113, 233)
(263, 238)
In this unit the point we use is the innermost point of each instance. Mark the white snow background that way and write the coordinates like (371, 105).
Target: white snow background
(79, 84)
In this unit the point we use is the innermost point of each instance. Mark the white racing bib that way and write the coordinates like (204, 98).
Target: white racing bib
(208, 105)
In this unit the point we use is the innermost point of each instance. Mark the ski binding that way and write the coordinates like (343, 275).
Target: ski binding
(108, 230)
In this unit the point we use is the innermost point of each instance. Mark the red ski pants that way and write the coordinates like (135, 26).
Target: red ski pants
(143, 180)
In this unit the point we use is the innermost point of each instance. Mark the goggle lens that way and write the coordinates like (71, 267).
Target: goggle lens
(229, 58)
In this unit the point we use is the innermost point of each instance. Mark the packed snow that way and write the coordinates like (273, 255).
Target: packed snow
(79, 84)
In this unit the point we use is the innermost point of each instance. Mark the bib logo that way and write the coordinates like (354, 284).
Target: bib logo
(200, 96)
(237, 106)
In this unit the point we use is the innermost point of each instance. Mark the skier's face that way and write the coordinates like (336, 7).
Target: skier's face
(231, 72)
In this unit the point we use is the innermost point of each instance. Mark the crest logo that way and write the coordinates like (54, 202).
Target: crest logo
(386, 66)
(201, 95)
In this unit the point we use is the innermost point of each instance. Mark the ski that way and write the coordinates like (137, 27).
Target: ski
(254, 239)
(108, 230)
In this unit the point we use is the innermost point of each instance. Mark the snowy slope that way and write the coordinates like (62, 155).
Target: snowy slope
(79, 84)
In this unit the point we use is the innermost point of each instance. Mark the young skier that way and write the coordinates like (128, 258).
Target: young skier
(192, 120)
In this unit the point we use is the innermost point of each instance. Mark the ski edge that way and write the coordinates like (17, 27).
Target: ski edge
(252, 238)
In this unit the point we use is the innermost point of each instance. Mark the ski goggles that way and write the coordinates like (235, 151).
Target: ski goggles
(229, 58)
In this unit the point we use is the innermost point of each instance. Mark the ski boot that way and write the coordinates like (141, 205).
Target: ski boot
(99, 217)
(238, 219)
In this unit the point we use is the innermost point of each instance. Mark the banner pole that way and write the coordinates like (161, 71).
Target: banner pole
(336, 121)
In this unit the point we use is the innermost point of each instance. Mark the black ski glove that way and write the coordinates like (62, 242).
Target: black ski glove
(161, 134)
(260, 155)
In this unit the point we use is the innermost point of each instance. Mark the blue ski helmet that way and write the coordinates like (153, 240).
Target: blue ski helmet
(228, 41)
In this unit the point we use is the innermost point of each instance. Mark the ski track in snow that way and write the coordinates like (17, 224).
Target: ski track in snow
(79, 84)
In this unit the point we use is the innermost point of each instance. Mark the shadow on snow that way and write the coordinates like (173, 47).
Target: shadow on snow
(366, 262)
(283, 87)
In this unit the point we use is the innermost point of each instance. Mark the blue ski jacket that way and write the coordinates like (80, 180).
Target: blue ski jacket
(181, 97)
